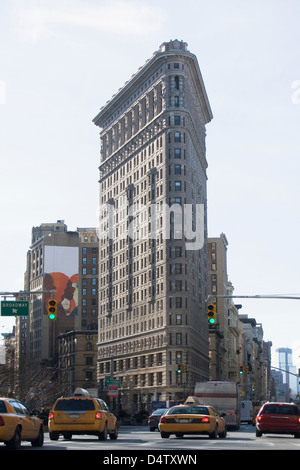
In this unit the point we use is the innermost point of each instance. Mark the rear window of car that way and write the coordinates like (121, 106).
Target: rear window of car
(160, 411)
(2, 407)
(280, 410)
(75, 404)
(193, 410)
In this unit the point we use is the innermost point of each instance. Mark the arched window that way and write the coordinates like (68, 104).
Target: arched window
(177, 136)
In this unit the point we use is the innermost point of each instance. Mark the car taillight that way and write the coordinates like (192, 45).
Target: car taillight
(1, 421)
(258, 418)
(98, 415)
(205, 420)
(298, 420)
(163, 419)
(51, 416)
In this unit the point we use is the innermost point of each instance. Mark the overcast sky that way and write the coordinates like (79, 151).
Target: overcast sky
(61, 60)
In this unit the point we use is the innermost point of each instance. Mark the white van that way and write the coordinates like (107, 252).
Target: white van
(246, 411)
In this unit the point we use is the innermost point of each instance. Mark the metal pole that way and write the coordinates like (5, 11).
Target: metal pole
(25, 292)
(291, 297)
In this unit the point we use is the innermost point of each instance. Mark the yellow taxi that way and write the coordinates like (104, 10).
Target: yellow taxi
(81, 415)
(255, 411)
(18, 424)
(192, 419)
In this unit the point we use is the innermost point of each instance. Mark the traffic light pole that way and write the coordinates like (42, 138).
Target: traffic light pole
(26, 292)
(274, 296)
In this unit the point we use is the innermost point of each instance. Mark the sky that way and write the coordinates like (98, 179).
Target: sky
(62, 60)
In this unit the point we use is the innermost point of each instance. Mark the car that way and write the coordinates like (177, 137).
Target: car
(18, 424)
(278, 418)
(81, 415)
(154, 418)
(255, 411)
(191, 419)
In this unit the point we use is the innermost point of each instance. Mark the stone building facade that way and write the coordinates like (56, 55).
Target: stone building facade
(153, 253)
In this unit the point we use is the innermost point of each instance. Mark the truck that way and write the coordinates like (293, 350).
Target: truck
(246, 411)
(224, 397)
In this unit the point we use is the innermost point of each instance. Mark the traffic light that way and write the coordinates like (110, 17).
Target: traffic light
(241, 370)
(179, 366)
(212, 314)
(52, 309)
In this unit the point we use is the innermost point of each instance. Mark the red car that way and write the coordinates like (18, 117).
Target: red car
(278, 418)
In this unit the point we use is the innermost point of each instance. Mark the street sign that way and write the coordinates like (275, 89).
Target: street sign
(109, 381)
(113, 390)
(12, 308)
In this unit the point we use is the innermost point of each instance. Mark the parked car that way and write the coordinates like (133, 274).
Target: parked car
(81, 415)
(154, 418)
(18, 424)
(190, 419)
(278, 418)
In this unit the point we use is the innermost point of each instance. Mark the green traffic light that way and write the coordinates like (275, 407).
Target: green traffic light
(52, 316)
(211, 321)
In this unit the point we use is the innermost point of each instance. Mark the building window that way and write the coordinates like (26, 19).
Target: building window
(177, 185)
(177, 153)
(177, 137)
(177, 169)
(179, 339)
(178, 268)
(89, 375)
(178, 251)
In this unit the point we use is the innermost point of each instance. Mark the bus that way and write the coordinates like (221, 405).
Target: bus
(224, 397)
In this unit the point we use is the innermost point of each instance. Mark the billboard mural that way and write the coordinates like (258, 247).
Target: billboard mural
(61, 274)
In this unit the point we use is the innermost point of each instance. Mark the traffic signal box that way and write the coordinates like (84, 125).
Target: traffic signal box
(181, 368)
(52, 309)
(212, 314)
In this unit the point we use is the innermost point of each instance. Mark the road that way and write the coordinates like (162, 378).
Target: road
(143, 442)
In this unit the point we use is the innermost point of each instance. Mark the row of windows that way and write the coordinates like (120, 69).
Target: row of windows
(128, 330)
(92, 271)
(94, 250)
(93, 291)
(139, 158)
(84, 260)
(132, 363)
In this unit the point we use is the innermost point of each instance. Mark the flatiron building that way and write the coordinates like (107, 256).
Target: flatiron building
(152, 322)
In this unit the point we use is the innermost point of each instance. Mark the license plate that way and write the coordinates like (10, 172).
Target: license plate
(183, 420)
(74, 416)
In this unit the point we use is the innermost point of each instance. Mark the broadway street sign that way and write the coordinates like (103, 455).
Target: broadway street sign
(11, 308)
